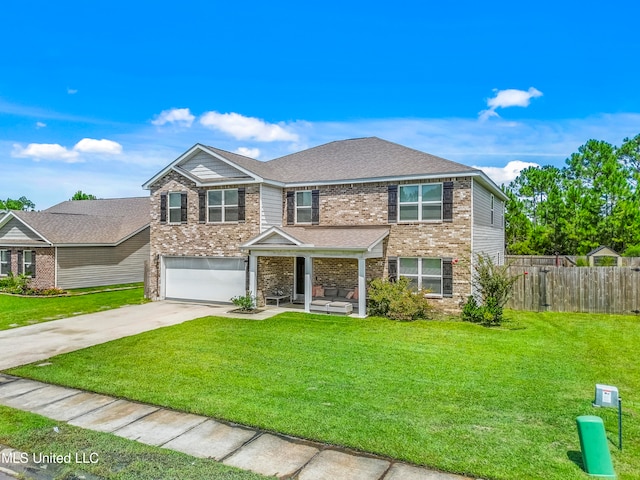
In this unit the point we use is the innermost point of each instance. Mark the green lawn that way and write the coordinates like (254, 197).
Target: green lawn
(20, 311)
(117, 458)
(496, 403)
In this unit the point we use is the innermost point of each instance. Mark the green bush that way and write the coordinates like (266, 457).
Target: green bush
(245, 302)
(489, 314)
(18, 284)
(493, 284)
(396, 300)
(632, 251)
(582, 262)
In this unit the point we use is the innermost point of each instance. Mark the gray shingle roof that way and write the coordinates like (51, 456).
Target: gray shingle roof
(102, 222)
(356, 159)
(338, 237)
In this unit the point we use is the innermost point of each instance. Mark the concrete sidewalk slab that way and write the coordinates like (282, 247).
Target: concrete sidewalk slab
(74, 406)
(40, 397)
(6, 379)
(334, 465)
(32, 343)
(113, 416)
(19, 387)
(159, 427)
(211, 439)
(401, 471)
(272, 456)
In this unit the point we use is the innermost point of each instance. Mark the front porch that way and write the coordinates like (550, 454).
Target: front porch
(317, 266)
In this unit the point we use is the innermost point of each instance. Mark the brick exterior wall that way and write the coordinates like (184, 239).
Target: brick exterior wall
(349, 204)
(45, 265)
(194, 238)
(367, 204)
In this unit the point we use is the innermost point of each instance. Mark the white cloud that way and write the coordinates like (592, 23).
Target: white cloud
(45, 151)
(90, 145)
(72, 91)
(248, 152)
(40, 124)
(504, 175)
(55, 151)
(509, 98)
(247, 128)
(179, 116)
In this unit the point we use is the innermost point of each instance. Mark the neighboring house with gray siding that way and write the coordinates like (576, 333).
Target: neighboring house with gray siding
(75, 244)
(326, 219)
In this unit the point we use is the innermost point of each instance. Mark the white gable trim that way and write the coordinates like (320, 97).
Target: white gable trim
(273, 231)
(198, 147)
(11, 215)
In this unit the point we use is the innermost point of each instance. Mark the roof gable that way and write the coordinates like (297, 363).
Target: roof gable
(85, 222)
(13, 231)
(207, 166)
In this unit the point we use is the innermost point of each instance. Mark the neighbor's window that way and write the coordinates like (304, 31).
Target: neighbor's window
(5, 268)
(420, 202)
(27, 262)
(425, 273)
(303, 206)
(492, 209)
(175, 204)
(222, 205)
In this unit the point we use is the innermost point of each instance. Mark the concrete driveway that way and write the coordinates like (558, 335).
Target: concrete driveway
(37, 342)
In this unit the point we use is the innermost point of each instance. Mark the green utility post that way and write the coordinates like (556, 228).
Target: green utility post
(593, 444)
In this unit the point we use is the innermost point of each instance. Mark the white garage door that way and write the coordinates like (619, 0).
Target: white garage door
(208, 279)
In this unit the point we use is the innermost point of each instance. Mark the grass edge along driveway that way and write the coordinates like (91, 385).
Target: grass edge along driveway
(21, 311)
(495, 403)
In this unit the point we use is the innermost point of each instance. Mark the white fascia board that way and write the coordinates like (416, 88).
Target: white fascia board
(189, 153)
(251, 243)
(167, 169)
(394, 178)
(230, 163)
(378, 240)
(11, 215)
(490, 184)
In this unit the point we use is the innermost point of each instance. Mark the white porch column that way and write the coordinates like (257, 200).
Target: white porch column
(253, 275)
(362, 288)
(308, 283)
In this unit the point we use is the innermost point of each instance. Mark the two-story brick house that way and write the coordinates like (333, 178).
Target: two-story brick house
(335, 216)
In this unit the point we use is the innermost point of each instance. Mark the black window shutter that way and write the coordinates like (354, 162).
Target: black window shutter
(315, 207)
(19, 262)
(202, 206)
(392, 266)
(163, 208)
(241, 204)
(291, 208)
(393, 204)
(447, 277)
(183, 208)
(447, 201)
(33, 263)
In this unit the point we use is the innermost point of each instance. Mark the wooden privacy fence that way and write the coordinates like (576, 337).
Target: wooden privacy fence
(580, 289)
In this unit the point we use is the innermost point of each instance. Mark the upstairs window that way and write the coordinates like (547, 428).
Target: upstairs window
(175, 207)
(492, 212)
(303, 206)
(222, 205)
(420, 202)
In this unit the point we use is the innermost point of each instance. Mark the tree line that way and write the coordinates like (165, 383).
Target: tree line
(593, 200)
(23, 203)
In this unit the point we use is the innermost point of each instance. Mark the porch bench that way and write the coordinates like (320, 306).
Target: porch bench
(319, 305)
(345, 308)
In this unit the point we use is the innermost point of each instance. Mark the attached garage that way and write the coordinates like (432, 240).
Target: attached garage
(204, 278)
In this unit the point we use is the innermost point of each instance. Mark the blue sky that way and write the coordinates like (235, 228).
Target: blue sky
(99, 96)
